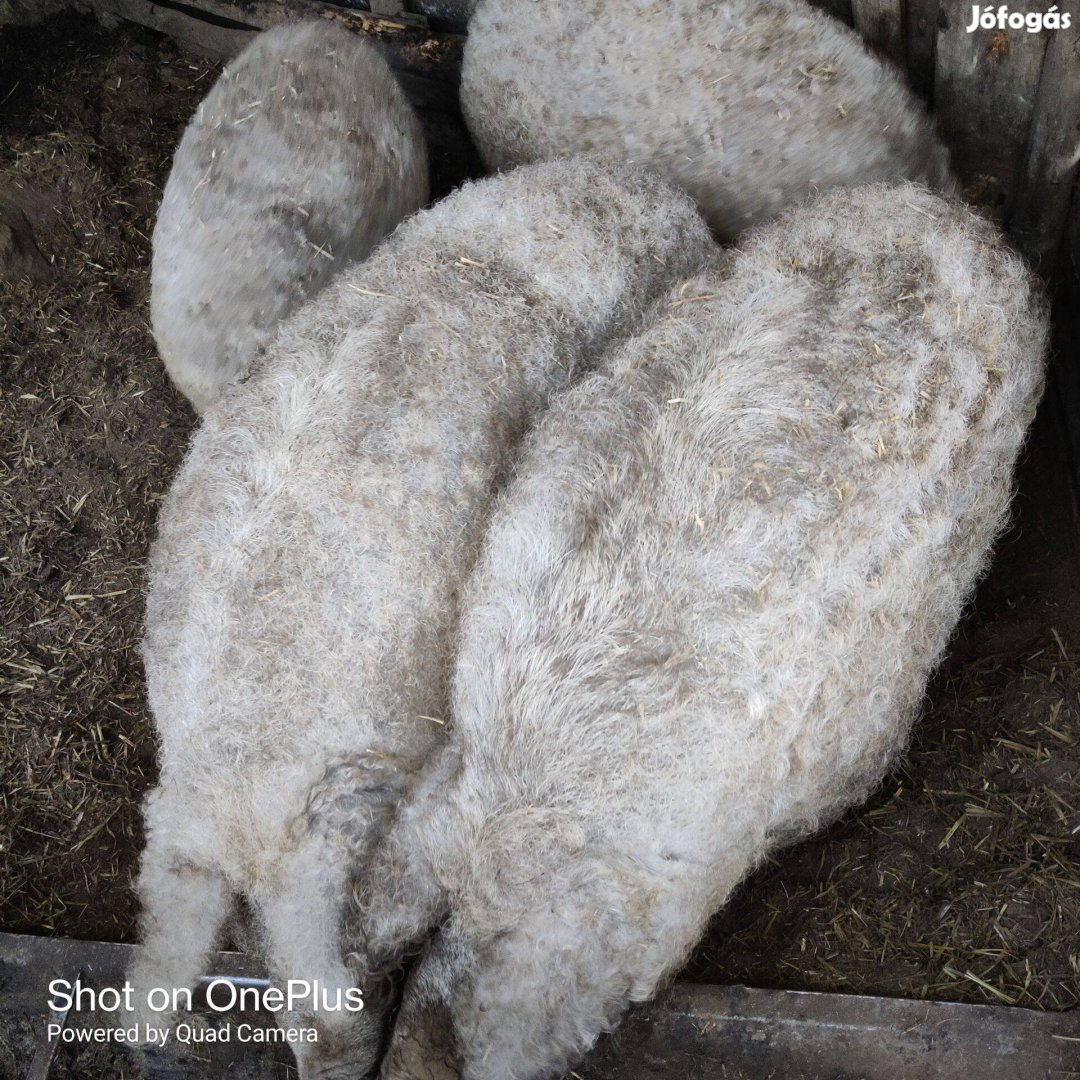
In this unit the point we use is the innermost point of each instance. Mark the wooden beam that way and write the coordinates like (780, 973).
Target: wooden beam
(881, 23)
(428, 62)
(838, 9)
(745, 1034)
(1047, 176)
(985, 87)
(920, 29)
(448, 14)
(214, 40)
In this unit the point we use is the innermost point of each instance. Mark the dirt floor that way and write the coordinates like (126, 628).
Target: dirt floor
(90, 432)
(960, 879)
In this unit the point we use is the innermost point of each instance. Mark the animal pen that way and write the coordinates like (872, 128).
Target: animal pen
(933, 932)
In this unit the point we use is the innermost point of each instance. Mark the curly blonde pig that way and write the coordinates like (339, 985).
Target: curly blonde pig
(302, 157)
(750, 105)
(304, 582)
(704, 617)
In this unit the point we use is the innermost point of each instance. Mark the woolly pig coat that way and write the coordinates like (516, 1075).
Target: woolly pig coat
(302, 157)
(304, 582)
(750, 105)
(704, 617)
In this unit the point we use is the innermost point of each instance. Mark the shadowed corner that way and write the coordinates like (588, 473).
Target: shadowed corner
(342, 1052)
(352, 1050)
(422, 1046)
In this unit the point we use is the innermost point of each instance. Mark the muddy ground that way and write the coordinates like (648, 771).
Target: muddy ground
(960, 879)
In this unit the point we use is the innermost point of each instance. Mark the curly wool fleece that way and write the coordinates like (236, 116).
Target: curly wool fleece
(750, 105)
(304, 581)
(704, 617)
(302, 157)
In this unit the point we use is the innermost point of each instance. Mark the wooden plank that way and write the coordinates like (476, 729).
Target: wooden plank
(29, 963)
(920, 29)
(429, 61)
(444, 14)
(1048, 172)
(733, 1032)
(838, 9)
(397, 10)
(881, 23)
(212, 39)
(985, 86)
(743, 1034)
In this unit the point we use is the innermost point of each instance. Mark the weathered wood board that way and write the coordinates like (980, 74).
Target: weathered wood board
(921, 29)
(428, 61)
(444, 14)
(1007, 104)
(881, 23)
(1039, 210)
(732, 1032)
(985, 87)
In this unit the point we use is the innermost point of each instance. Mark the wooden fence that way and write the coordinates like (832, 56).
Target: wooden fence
(1007, 103)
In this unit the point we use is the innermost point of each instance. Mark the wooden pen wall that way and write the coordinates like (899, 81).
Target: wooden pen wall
(1007, 103)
